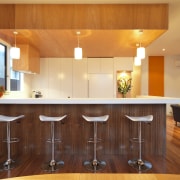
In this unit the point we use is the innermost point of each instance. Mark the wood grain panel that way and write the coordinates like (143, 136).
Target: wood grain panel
(7, 16)
(107, 30)
(92, 16)
(29, 59)
(75, 131)
(95, 43)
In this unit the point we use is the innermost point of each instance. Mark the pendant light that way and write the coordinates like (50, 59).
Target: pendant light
(15, 51)
(141, 52)
(137, 61)
(78, 50)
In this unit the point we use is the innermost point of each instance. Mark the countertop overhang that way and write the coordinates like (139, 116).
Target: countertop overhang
(154, 100)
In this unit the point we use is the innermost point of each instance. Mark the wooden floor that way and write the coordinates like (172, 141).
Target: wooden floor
(170, 164)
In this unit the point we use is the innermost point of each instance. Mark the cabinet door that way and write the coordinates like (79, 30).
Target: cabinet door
(80, 80)
(106, 65)
(94, 65)
(22, 64)
(53, 78)
(65, 74)
(34, 60)
(100, 65)
(29, 60)
(123, 64)
(100, 86)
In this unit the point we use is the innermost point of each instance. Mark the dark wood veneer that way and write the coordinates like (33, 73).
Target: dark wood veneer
(75, 131)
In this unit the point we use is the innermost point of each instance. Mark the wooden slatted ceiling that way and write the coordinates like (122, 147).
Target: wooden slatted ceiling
(106, 30)
(95, 43)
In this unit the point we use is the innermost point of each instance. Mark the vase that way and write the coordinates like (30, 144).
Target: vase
(124, 95)
(1, 94)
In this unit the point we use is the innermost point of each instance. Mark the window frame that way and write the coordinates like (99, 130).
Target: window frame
(8, 68)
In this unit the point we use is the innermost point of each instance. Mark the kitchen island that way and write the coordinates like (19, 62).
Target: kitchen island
(75, 132)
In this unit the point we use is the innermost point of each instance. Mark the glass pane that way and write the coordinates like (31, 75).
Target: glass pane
(2, 64)
(15, 79)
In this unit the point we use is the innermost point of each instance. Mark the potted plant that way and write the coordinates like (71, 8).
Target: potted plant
(124, 86)
(2, 90)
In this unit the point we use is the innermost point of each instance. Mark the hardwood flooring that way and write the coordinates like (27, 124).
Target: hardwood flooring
(170, 164)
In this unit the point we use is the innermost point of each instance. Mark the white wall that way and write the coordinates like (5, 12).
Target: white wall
(144, 77)
(171, 79)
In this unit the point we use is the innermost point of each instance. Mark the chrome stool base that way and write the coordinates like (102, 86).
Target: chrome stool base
(9, 164)
(52, 166)
(140, 165)
(95, 165)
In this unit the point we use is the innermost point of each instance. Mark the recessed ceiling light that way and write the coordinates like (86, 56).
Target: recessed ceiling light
(163, 49)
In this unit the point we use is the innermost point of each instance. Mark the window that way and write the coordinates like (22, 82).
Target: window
(15, 78)
(3, 50)
(10, 79)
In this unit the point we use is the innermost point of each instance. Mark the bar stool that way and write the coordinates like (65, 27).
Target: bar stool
(95, 164)
(52, 165)
(138, 163)
(9, 163)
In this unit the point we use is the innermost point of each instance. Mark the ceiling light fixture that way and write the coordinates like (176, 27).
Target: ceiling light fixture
(137, 61)
(140, 52)
(78, 50)
(15, 51)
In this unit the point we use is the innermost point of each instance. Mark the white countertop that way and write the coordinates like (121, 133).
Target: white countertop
(149, 100)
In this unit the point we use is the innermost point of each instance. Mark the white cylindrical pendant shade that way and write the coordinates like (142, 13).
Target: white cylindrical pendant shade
(141, 52)
(137, 61)
(15, 53)
(78, 53)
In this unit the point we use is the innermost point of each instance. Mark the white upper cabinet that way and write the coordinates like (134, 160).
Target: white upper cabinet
(123, 63)
(53, 78)
(100, 65)
(66, 78)
(80, 82)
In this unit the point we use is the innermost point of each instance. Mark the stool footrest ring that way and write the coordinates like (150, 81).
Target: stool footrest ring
(91, 140)
(12, 140)
(55, 141)
(136, 140)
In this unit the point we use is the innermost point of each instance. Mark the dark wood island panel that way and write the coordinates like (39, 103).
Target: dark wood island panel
(75, 131)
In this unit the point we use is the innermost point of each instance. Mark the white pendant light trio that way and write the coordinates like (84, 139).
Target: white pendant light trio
(78, 51)
(15, 51)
